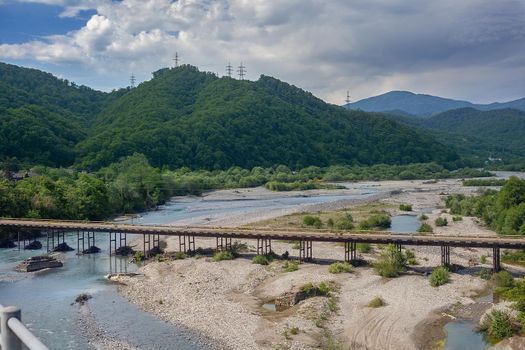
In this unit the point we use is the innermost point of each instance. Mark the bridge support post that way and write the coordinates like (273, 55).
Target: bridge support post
(305, 251)
(350, 251)
(112, 242)
(91, 239)
(399, 247)
(496, 262)
(80, 237)
(187, 249)
(445, 255)
(148, 242)
(264, 246)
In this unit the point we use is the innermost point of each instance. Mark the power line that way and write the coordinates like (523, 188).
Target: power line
(132, 80)
(241, 71)
(229, 70)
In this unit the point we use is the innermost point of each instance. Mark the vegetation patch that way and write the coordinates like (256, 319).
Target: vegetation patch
(364, 247)
(391, 262)
(223, 255)
(300, 186)
(376, 302)
(315, 221)
(498, 325)
(405, 207)
(439, 276)
(425, 228)
(340, 267)
(290, 266)
(377, 221)
(441, 222)
(484, 182)
(516, 257)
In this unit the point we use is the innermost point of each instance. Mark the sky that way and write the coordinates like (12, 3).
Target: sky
(470, 49)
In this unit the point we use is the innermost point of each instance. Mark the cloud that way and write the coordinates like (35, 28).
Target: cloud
(471, 49)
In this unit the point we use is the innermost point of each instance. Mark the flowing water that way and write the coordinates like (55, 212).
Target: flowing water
(46, 297)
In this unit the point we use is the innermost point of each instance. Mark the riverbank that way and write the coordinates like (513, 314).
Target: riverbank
(222, 300)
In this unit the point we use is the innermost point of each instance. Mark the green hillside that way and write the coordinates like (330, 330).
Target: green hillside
(42, 117)
(183, 117)
(473, 132)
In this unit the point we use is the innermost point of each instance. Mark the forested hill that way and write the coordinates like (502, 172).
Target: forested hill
(497, 132)
(42, 117)
(183, 117)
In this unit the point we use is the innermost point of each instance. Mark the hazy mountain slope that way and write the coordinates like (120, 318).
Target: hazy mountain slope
(400, 102)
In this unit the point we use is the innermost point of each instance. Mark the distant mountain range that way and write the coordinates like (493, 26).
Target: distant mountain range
(408, 103)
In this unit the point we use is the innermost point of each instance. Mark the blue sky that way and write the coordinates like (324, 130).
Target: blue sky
(470, 49)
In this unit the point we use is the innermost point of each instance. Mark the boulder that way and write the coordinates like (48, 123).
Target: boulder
(35, 245)
(63, 247)
(92, 250)
(124, 251)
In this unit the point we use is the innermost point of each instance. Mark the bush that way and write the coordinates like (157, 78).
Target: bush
(425, 228)
(380, 221)
(344, 224)
(291, 266)
(330, 222)
(139, 256)
(364, 247)
(405, 207)
(483, 259)
(180, 255)
(340, 267)
(391, 262)
(223, 255)
(439, 276)
(423, 217)
(314, 221)
(260, 259)
(498, 325)
(503, 280)
(485, 273)
(376, 302)
(457, 218)
(441, 222)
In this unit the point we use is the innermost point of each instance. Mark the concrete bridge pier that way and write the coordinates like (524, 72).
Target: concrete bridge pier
(305, 250)
(350, 251)
(264, 246)
(445, 255)
(496, 259)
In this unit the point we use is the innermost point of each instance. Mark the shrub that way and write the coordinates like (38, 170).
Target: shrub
(423, 217)
(439, 276)
(485, 274)
(405, 207)
(364, 247)
(139, 256)
(314, 221)
(457, 218)
(223, 255)
(340, 267)
(425, 228)
(411, 257)
(498, 325)
(376, 302)
(180, 255)
(483, 259)
(330, 222)
(324, 289)
(391, 262)
(441, 222)
(344, 224)
(381, 221)
(260, 259)
(504, 280)
(291, 266)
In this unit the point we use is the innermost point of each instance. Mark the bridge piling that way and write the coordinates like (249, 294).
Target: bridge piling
(79, 239)
(496, 260)
(350, 251)
(91, 239)
(305, 251)
(445, 255)
(148, 242)
(264, 246)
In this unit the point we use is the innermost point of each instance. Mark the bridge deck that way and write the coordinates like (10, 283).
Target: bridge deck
(380, 237)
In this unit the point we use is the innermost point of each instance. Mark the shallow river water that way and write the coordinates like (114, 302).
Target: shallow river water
(46, 297)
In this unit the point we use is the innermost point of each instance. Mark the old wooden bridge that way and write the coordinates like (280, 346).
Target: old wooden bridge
(55, 233)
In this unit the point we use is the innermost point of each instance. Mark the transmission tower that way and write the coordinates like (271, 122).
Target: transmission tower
(229, 70)
(241, 71)
(176, 59)
(132, 80)
(347, 97)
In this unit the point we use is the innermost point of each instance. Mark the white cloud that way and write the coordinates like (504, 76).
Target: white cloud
(469, 49)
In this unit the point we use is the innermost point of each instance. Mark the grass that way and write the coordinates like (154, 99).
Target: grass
(457, 218)
(514, 257)
(439, 276)
(405, 207)
(441, 222)
(179, 256)
(378, 221)
(223, 255)
(425, 228)
(483, 259)
(260, 259)
(314, 221)
(290, 266)
(376, 302)
(340, 267)
(364, 247)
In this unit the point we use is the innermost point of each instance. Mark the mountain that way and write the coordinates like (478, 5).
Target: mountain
(184, 117)
(405, 102)
(474, 132)
(42, 117)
